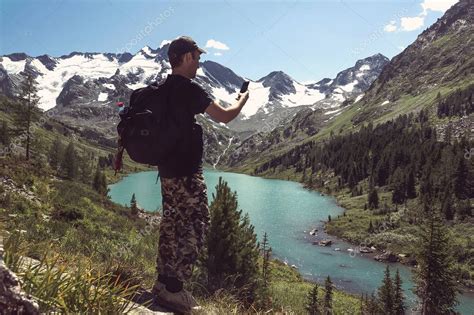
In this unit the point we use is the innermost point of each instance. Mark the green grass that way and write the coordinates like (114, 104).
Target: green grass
(67, 284)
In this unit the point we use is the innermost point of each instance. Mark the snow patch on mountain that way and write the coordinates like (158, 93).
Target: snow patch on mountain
(38, 65)
(147, 50)
(221, 93)
(13, 66)
(164, 43)
(259, 98)
(102, 97)
(303, 96)
(50, 83)
(359, 97)
(141, 66)
(349, 87)
(332, 111)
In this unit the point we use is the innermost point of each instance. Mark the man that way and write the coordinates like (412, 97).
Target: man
(185, 218)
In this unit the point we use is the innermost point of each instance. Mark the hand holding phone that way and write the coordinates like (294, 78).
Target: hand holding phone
(243, 88)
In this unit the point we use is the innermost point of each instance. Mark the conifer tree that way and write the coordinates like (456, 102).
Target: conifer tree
(373, 307)
(410, 185)
(4, 134)
(27, 112)
(386, 293)
(435, 282)
(373, 199)
(361, 305)
(99, 183)
(56, 153)
(460, 179)
(264, 296)
(398, 186)
(328, 296)
(447, 206)
(69, 162)
(463, 209)
(85, 167)
(312, 302)
(232, 248)
(398, 296)
(266, 251)
(133, 205)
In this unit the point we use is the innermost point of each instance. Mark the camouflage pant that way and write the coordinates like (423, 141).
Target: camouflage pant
(183, 226)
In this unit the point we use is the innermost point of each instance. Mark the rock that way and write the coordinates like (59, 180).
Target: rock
(325, 243)
(366, 250)
(387, 256)
(12, 299)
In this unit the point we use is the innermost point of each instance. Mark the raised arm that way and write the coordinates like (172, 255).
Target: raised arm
(225, 115)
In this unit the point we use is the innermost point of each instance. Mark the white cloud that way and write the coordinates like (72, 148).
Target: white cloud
(211, 43)
(412, 23)
(436, 5)
(401, 47)
(408, 23)
(217, 54)
(390, 27)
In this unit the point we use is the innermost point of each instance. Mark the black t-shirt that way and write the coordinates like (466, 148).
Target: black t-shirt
(186, 99)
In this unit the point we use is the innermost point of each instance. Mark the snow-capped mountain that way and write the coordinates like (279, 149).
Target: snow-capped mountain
(81, 89)
(110, 77)
(351, 82)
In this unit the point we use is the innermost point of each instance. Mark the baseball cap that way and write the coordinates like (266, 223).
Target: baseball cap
(182, 45)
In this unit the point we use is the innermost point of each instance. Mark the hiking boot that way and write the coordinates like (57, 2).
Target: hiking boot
(181, 301)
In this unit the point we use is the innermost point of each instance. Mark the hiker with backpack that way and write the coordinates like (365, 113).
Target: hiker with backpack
(159, 128)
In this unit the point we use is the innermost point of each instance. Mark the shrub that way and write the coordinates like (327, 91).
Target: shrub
(67, 213)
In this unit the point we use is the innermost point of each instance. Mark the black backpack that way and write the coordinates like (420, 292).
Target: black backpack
(148, 130)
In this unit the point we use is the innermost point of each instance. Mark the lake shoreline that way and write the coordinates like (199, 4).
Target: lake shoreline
(406, 262)
(303, 230)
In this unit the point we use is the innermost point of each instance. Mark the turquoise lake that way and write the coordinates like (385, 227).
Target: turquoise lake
(287, 212)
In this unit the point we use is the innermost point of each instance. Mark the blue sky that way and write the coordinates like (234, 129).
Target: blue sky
(308, 40)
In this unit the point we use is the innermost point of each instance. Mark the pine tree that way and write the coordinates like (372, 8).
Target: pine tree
(386, 292)
(103, 181)
(410, 185)
(56, 153)
(4, 134)
(264, 296)
(27, 112)
(460, 179)
(447, 206)
(435, 282)
(398, 186)
(69, 162)
(133, 205)
(373, 199)
(232, 248)
(328, 296)
(312, 304)
(398, 296)
(426, 185)
(266, 251)
(464, 209)
(85, 167)
(99, 183)
(373, 307)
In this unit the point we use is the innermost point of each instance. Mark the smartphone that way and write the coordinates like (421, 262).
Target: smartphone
(244, 87)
